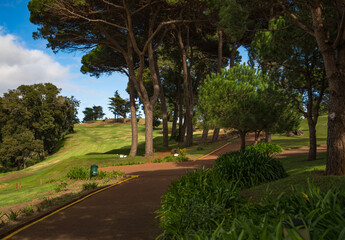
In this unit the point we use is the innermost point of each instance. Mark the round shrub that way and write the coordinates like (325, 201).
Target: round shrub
(249, 168)
(265, 148)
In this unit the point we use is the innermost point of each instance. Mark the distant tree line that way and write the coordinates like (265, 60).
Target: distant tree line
(94, 113)
(33, 121)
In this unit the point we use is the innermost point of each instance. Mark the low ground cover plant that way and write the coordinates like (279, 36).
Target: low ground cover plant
(89, 186)
(181, 156)
(82, 173)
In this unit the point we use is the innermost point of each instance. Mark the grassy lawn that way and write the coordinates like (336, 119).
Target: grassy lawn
(98, 144)
(299, 141)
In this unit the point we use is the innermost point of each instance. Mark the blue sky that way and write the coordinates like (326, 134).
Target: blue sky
(24, 60)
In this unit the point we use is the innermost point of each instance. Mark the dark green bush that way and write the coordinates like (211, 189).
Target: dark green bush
(267, 149)
(249, 168)
(322, 212)
(196, 201)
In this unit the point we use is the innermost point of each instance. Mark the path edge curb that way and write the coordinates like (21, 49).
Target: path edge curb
(10, 233)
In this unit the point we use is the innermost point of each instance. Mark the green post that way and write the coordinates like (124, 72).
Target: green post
(93, 171)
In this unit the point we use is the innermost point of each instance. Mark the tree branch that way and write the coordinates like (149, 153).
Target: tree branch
(340, 31)
(296, 20)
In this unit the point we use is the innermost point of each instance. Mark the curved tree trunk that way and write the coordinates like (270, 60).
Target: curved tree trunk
(134, 123)
(204, 136)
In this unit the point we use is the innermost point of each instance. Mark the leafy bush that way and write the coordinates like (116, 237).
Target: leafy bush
(321, 211)
(171, 158)
(267, 149)
(84, 174)
(89, 186)
(197, 200)
(250, 168)
(79, 173)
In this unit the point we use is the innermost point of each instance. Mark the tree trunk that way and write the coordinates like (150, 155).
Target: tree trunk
(336, 126)
(219, 69)
(174, 123)
(182, 129)
(215, 135)
(256, 136)
(204, 135)
(334, 62)
(188, 91)
(134, 123)
(164, 111)
(268, 138)
(243, 141)
(148, 130)
(312, 140)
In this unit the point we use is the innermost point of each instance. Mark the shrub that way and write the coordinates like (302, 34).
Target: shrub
(322, 213)
(61, 187)
(267, 149)
(196, 201)
(89, 186)
(28, 210)
(171, 158)
(250, 168)
(84, 174)
(12, 215)
(79, 173)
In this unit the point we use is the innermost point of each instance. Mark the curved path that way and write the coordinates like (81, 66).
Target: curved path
(126, 211)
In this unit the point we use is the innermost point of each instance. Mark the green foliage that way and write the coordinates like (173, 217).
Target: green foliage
(266, 149)
(322, 212)
(34, 119)
(243, 98)
(196, 201)
(12, 215)
(171, 158)
(83, 173)
(89, 186)
(27, 210)
(119, 106)
(94, 113)
(249, 168)
(79, 173)
(61, 186)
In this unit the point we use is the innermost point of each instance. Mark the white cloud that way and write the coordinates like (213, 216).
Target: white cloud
(19, 65)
